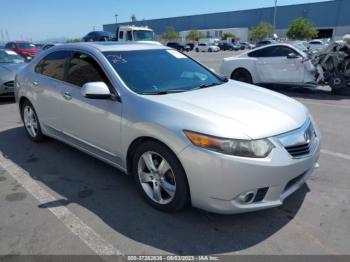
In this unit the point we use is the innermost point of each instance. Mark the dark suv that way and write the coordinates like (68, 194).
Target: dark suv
(179, 47)
(98, 36)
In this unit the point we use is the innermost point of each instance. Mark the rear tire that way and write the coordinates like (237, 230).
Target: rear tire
(242, 75)
(210, 50)
(197, 50)
(160, 177)
(31, 122)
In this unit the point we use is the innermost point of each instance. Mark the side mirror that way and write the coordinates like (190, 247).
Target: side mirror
(292, 56)
(96, 90)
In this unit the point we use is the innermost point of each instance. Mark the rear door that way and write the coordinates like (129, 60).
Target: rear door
(46, 84)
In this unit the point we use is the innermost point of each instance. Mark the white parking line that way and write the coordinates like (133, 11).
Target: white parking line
(327, 152)
(92, 239)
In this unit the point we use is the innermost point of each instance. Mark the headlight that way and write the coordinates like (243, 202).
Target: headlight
(245, 148)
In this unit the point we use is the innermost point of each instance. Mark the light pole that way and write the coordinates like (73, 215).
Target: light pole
(274, 17)
(116, 18)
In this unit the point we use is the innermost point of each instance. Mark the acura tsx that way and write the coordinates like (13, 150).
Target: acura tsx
(187, 135)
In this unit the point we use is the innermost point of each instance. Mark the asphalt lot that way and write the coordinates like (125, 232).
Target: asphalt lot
(57, 200)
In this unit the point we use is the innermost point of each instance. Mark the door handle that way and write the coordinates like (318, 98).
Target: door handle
(67, 96)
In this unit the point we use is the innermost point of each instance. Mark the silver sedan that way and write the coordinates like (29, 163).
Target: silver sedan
(10, 63)
(187, 135)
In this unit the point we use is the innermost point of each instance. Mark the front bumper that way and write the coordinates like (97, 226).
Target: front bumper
(216, 180)
(6, 91)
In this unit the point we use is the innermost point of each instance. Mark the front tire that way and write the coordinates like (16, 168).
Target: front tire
(242, 75)
(31, 122)
(210, 50)
(159, 177)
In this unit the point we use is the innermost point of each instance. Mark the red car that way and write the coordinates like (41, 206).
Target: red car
(25, 49)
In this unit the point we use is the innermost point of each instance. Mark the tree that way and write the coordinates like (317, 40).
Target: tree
(301, 29)
(194, 35)
(75, 40)
(170, 34)
(227, 35)
(261, 31)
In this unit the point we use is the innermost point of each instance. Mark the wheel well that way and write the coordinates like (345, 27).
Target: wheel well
(21, 102)
(243, 69)
(133, 147)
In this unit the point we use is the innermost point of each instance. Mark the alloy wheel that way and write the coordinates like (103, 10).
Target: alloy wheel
(156, 177)
(30, 121)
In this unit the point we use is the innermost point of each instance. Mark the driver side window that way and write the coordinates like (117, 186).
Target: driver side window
(84, 69)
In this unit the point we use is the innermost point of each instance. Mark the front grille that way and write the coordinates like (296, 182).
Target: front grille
(301, 142)
(293, 182)
(300, 150)
(9, 84)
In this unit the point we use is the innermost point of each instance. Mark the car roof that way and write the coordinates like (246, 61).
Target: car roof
(112, 46)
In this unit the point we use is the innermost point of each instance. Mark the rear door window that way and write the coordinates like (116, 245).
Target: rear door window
(53, 65)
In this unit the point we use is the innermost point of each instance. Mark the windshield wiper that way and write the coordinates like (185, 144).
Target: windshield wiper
(165, 92)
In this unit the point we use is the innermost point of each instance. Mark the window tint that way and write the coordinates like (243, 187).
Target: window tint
(84, 69)
(272, 51)
(53, 65)
(129, 36)
(282, 51)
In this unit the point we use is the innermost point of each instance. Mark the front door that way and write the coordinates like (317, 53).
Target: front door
(276, 67)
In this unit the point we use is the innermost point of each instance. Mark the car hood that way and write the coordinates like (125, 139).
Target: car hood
(10, 70)
(256, 112)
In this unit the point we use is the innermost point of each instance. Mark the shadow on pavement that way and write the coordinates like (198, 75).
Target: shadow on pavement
(5, 100)
(308, 93)
(112, 197)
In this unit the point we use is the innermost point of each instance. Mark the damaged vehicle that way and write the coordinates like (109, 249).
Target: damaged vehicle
(292, 64)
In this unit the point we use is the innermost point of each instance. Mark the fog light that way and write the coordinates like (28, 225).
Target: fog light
(246, 197)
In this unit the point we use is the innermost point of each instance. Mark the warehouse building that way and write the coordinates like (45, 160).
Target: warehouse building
(331, 18)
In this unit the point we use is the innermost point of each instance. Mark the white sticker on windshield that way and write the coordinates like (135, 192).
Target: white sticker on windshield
(9, 52)
(176, 54)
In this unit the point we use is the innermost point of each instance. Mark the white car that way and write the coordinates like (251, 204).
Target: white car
(271, 64)
(317, 44)
(206, 47)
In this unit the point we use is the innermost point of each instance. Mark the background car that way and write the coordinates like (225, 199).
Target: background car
(271, 64)
(247, 45)
(98, 36)
(206, 47)
(10, 63)
(191, 45)
(228, 46)
(179, 47)
(265, 42)
(25, 49)
(317, 44)
(47, 46)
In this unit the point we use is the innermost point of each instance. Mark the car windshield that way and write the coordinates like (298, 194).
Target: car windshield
(300, 46)
(25, 45)
(160, 71)
(143, 35)
(8, 56)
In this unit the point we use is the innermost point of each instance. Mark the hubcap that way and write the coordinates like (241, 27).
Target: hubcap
(30, 121)
(156, 177)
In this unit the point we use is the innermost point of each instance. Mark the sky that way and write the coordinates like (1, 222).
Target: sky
(39, 20)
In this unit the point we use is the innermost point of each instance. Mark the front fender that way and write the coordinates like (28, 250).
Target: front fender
(229, 65)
